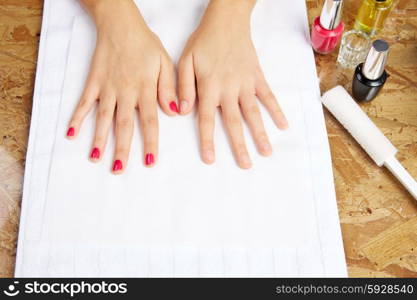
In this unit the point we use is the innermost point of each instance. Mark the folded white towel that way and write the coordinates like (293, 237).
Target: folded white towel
(181, 218)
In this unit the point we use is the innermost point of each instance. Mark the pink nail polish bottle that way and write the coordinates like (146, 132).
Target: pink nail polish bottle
(328, 27)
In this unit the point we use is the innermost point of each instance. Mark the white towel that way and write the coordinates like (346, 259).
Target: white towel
(180, 218)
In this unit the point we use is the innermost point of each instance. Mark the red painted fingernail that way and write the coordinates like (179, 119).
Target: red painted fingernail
(71, 131)
(149, 159)
(117, 166)
(173, 106)
(95, 153)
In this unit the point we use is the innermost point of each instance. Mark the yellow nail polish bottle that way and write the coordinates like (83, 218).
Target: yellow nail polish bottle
(372, 15)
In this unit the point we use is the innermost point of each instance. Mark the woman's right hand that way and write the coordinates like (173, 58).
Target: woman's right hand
(130, 70)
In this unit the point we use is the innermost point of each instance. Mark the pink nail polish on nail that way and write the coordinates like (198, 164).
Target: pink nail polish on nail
(149, 159)
(173, 106)
(117, 166)
(95, 153)
(71, 131)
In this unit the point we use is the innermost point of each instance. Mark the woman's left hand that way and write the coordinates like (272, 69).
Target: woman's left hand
(219, 66)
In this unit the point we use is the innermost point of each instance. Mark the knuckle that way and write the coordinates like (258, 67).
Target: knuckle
(104, 113)
(205, 118)
(233, 120)
(261, 136)
(167, 88)
(240, 148)
(124, 122)
(76, 118)
(276, 109)
(99, 140)
(207, 143)
(253, 109)
(151, 144)
(149, 121)
(270, 95)
(122, 150)
(185, 84)
(187, 91)
(84, 102)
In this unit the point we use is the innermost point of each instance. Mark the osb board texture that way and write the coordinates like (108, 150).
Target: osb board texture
(378, 217)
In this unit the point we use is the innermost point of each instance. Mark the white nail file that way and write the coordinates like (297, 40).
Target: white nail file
(351, 116)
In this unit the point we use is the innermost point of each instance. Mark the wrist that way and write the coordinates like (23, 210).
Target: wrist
(230, 13)
(238, 8)
(105, 13)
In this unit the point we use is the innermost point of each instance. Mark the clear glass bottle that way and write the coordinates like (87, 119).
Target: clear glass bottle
(372, 15)
(354, 48)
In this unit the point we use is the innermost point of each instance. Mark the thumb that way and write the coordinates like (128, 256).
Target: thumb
(186, 84)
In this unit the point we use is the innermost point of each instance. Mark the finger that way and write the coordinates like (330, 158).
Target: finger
(253, 117)
(233, 121)
(104, 120)
(166, 88)
(186, 84)
(149, 124)
(267, 98)
(124, 131)
(206, 121)
(85, 104)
